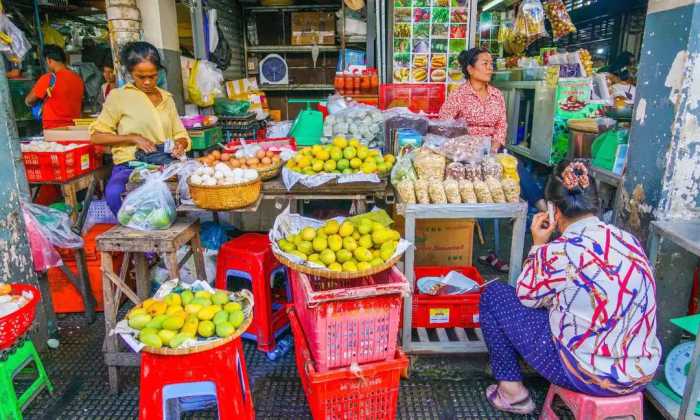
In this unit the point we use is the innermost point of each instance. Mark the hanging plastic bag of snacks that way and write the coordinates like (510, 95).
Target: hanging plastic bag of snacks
(559, 18)
(429, 165)
(510, 166)
(483, 194)
(472, 171)
(529, 23)
(455, 170)
(406, 192)
(491, 168)
(466, 191)
(511, 189)
(496, 190)
(452, 191)
(437, 192)
(421, 188)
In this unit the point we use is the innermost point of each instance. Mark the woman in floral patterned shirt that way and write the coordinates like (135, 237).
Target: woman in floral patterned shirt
(482, 108)
(583, 312)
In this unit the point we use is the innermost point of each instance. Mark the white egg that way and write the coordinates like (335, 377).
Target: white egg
(208, 171)
(219, 175)
(251, 174)
(209, 182)
(196, 179)
(222, 167)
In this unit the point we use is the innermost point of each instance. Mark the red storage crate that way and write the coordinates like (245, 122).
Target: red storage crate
(61, 166)
(369, 392)
(349, 320)
(426, 97)
(459, 311)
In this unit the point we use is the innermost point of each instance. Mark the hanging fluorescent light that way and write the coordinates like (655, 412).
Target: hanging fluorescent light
(490, 5)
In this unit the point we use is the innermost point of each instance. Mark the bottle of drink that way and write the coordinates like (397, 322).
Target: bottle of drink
(283, 346)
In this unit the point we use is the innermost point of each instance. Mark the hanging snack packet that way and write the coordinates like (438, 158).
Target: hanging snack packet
(529, 24)
(559, 18)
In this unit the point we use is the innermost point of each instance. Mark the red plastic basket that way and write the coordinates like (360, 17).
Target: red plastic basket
(265, 144)
(14, 325)
(461, 311)
(426, 97)
(61, 166)
(349, 320)
(369, 391)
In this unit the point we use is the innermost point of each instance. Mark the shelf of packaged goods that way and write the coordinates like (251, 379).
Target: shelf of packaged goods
(290, 8)
(296, 88)
(290, 48)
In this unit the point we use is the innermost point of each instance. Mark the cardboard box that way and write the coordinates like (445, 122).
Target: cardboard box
(309, 28)
(77, 133)
(441, 242)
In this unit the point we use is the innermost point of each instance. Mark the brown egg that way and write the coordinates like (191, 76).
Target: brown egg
(216, 154)
(266, 160)
(225, 157)
(252, 161)
(234, 163)
(269, 153)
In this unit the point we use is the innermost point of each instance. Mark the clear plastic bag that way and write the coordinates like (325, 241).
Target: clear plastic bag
(429, 165)
(55, 225)
(559, 19)
(466, 148)
(403, 169)
(509, 163)
(44, 255)
(421, 188)
(472, 171)
(205, 83)
(529, 23)
(436, 191)
(511, 189)
(496, 190)
(363, 122)
(406, 191)
(19, 44)
(395, 118)
(466, 191)
(452, 191)
(448, 128)
(483, 193)
(151, 206)
(490, 168)
(455, 170)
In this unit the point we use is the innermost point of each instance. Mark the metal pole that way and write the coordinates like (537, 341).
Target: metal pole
(39, 35)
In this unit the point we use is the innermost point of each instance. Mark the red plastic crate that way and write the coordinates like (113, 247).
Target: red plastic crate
(426, 97)
(61, 166)
(289, 142)
(350, 320)
(461, 311)
(368, 392)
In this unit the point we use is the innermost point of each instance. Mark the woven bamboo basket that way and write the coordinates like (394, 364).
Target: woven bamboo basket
(271, 172)
(210, 344)
(225, 197)
(328, 274)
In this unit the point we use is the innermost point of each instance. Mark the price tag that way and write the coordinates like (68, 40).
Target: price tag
(85, 162)
(439, 315)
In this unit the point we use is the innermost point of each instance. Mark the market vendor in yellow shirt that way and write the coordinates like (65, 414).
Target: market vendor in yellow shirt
(139, 121)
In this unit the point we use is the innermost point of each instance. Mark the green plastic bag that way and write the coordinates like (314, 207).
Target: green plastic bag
(224, 106)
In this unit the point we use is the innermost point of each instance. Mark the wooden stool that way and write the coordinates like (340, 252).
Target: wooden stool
(136, 243)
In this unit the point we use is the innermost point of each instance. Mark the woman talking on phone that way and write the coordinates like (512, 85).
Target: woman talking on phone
(583, 312)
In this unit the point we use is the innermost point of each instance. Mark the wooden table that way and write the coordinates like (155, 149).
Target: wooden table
(360, 193)
(136, 243)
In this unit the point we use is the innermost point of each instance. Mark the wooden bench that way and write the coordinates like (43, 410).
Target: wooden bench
(135, 244)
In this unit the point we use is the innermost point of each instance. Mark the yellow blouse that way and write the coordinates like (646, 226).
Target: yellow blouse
(127, 110)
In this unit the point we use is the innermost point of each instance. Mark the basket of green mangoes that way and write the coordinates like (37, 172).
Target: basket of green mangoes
(190, 321)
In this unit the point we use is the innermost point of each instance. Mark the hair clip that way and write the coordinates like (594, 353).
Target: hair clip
(575, 175)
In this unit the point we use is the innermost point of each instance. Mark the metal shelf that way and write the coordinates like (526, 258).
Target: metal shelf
(413, 212)
(286, 88)
(290, 8)
(668, 408)
(291, 48)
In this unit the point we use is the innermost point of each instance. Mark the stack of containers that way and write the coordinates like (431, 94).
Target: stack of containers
(345, 333)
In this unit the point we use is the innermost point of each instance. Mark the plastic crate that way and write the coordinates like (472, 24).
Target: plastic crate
(206, 137)
(62, 166)
(459, 311)
(426, 97)
(368, 392)
(349, 320)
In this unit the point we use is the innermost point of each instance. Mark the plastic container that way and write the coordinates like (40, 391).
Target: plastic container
(501, 76)
(308, 126)
(349, 320)
(534, 73)
(206, 137)
(14, 325)
(417, 97)
(458, 311)
(61, 166)
(369, 392)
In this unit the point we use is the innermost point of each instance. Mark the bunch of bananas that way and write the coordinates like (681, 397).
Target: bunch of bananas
(438, 61)
(419, 75)
(401, 74)
(420, 61)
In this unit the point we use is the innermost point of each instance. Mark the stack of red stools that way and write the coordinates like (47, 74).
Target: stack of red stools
(247, 262)
(345, 334)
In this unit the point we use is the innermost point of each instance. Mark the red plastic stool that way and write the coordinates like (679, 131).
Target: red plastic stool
(223, 366)
(586, 407)
(247, 262)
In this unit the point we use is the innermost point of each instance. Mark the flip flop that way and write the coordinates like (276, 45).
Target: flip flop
(494, 262)
(497, 401)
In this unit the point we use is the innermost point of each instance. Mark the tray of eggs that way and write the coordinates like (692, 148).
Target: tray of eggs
(258, 159)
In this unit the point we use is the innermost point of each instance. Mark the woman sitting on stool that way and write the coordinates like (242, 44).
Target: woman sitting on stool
(583, 312)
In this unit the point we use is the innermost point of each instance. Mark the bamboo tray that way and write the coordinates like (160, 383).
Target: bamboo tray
(210, 344)
(334, 274)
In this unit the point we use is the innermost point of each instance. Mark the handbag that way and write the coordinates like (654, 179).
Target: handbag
(38, 107)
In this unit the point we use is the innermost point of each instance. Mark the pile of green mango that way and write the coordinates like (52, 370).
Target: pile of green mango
(187, 315)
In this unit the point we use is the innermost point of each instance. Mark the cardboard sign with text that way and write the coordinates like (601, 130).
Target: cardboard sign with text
(442, 242)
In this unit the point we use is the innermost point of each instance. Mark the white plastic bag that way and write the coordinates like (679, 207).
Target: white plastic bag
(151, 206)
(19, 45)
(205, 83)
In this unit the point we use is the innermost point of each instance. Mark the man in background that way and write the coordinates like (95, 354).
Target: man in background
(61, 91)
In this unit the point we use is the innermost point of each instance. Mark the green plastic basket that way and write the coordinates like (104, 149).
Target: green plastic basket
(308, 126)
(206, 137)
